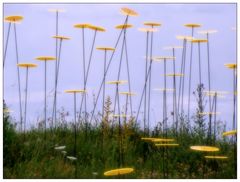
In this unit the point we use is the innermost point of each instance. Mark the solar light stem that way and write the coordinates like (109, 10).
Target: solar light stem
(174, 92)
(45, 98)
(183, 81)
(18, 75)
(145, 90)
(6, 45)
(128, 73)
(25, 110)
(190, 78)
(150, 81)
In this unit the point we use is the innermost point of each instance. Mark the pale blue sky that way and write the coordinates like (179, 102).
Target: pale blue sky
(34, 39)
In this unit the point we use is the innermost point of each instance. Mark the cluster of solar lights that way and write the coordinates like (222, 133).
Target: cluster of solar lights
(177, 101)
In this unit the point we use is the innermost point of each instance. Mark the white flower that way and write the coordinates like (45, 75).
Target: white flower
(64, 152)
(71, 158)
(60, 148)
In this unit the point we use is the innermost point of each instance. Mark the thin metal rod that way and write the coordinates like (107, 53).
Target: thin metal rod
(45, 99)
(109, 63)
(25, 111)
(183, 87)
(199, 64)
(234, 100)
(104, 85)
(209, 86)
(75, 128)
(84, 78)
(190, 78)
(174, 91)
(145, 91)
(18, 74)
(6, 46)
(215, 118)
(58, 59)
(128, 73)
(150, 81)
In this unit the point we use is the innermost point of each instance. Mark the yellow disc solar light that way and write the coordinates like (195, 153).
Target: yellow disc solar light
(219, 157)
(229, 133)
(147, 29)
(45, 59)
(97, 28)
(148, 138)
(57, 10)
(231, 65)
(13, 18)
(128, 12)
(192, 25)
(83, 25)
(164, 89)
(204, 148)
(117, 82)
(207, 31)
(127, 93)
(162, 58)
(213, 92)
(26, 66)
(152, 24)
(184, 37)
(173, 47)
(208, 113)
(75, 91)
(105, 48)
(117, 172)
(61, 37)
(199, 40)
(175, 74)
(163, 140)
(166, 144)
(123, 26)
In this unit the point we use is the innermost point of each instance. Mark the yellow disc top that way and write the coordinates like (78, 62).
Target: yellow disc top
(204, 148)
(61, 37)
(128, 12)
(163, 140)
(231, 65)
(13, 19)
(184, 37)
(229, 133)
(192, 25)
(45, 58)
(75, 91)
(167, 145)
(147, 29)
(207, 31)
(152, 24)
(83, 25)
(173, 47)
(215, 157)
(208, 113)
(105, 48)
(97, 28)
(160, 58)
(176, 74)
(123, 26)
(117, 82)
(127, 93)
(199, 40)
(120, 171)
(27, 65)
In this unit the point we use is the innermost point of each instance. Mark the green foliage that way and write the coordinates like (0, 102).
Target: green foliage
(97, 151)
